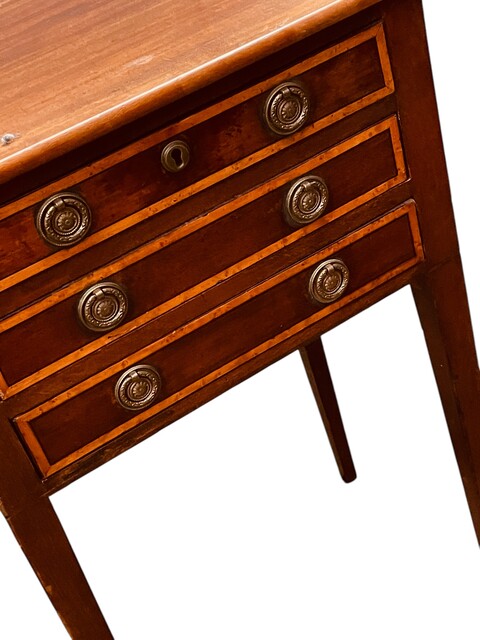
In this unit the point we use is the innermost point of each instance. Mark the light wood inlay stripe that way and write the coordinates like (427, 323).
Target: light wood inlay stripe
(24, 420)
(57, 258)
(351, 238)
(3, 387)
(47, 469)
(227, 273)
(375, 32)
(202, 221)
(384, 59)
(161, 205)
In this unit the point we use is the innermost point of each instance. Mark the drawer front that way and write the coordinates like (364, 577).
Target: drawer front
(203, 255)
(124, 189)
(218, 342)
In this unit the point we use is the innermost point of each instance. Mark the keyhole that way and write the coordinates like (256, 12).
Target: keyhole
(175, 156)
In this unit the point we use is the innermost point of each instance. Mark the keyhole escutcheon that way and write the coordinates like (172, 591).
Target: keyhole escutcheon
(175, 156)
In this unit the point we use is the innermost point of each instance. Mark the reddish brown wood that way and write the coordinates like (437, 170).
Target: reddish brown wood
(171, 113)
(44, 280)
(114, 350)
(197, 257)
(42, 538)
(440, 291)
(451, 347)
(136, 179)
(40, 534)
(316, 366)
(243, 327)
(105, 51)
(223, 292)
(204, 394)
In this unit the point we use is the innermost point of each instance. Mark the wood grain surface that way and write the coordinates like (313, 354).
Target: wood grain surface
(61, 267)
(58, 57)
(218, 340)
(179, 267)
(89, 90)
(439, 290)
(126, 187)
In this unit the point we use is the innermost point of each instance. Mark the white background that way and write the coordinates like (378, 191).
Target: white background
(234, 523)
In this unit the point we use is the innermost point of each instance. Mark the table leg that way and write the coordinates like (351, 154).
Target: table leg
(443, 309)
(315, 362)
(42, 538)
(44, 542)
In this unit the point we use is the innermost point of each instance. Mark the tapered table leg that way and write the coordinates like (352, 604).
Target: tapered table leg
(443, 309)
(42, 538)
(315, 362)
(44, 542)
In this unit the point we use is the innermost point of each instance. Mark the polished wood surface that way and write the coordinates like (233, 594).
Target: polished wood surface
(40, 534)
(218, 279)
(147, 53)
(233, 333)
(440, 289)
(179, 256)
(129, 186)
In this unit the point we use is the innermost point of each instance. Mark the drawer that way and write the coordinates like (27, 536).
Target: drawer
(215, 344)
(164, 274)
(130, 186)
(180, 213)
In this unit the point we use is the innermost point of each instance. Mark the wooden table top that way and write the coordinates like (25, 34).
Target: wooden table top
(72, 70)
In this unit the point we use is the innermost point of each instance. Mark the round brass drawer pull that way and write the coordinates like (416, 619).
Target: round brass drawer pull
(286, 108)
(175, 156)
(305, 201)
(64, 219)
(138, 387)
(103, 306)
(329, 281)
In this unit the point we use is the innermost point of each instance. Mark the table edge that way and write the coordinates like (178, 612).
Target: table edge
(34, 155)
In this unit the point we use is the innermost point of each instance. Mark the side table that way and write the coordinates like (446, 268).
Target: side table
(198, 204)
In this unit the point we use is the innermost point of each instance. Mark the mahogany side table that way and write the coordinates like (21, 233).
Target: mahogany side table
(189, 192)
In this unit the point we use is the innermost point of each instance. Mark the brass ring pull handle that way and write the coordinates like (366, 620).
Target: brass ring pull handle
(103, 306)
(63, 219)
(329, 281)
(286, 108)
(175, 156)
(138, 387)
(305, 201)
